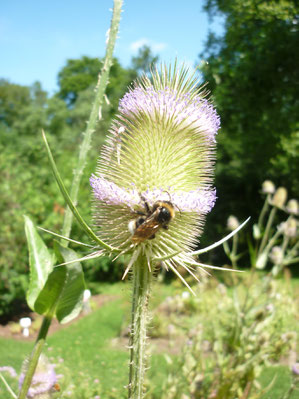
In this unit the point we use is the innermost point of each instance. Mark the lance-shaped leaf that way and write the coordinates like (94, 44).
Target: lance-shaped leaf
(68, 199)
(40, 260)
(62, 294)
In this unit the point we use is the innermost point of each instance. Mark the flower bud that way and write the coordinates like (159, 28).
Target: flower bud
(232, 223)
(268, 187)
(280, 197)
(292, 207)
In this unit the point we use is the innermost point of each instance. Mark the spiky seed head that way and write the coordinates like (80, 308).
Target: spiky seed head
(268, 187)
(292, 207)
(280, 197)
(161, 147)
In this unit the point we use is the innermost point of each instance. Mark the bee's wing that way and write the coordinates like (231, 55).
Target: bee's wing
(147, 229)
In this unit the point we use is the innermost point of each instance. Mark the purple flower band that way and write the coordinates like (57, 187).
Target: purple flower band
(193, 110)
(200, 200)
(9, 370)
(111, 194)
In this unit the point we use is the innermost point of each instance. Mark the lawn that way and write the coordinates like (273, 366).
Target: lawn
(93, 360)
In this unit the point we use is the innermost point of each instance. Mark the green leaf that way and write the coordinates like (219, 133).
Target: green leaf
(71, 300)
(40, 260)
(48, 298)
(68, 199)
(63, 293)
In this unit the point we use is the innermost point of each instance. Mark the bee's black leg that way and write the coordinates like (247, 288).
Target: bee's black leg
(165, 227)
(145, 204)
(152, 237)
(147, 207)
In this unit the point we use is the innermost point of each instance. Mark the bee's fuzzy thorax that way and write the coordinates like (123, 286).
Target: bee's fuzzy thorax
(160, 148)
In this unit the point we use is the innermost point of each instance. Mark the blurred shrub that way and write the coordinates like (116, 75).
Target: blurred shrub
(233, 337)
(275, 236)
(27, 185)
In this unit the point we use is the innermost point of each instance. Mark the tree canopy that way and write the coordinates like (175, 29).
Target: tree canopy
(252, 70)
(81, 74)
(144, 60)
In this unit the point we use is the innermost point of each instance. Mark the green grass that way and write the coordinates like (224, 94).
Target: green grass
(84, 352)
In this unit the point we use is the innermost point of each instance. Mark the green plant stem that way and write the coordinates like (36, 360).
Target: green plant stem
(234, 251)
(34, 357)
(8, 387)
(293, 251)
(95, 115)
(142, 278)
(281, 265)
(291, 261)
(267, 230)
(264, 211)
(272, 241)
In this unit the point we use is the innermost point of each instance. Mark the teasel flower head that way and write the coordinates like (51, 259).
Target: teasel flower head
(279, 197)
(268, 187)
(160, 150)
(292, 207)
(290, 228)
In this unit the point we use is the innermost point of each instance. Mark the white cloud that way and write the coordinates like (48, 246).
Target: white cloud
(155, 47)
(158, 46)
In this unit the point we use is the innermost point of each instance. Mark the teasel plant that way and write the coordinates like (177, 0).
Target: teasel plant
(152, 190)
(268, 238)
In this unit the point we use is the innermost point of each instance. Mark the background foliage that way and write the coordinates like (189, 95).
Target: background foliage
(253, 76)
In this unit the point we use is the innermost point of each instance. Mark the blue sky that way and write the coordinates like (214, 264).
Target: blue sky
(37, 37)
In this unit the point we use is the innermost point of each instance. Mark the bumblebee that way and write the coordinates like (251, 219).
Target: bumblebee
(149, 223)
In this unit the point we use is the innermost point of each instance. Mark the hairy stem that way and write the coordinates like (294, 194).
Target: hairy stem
(34, 357)
(142, 278)
(95, 115)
